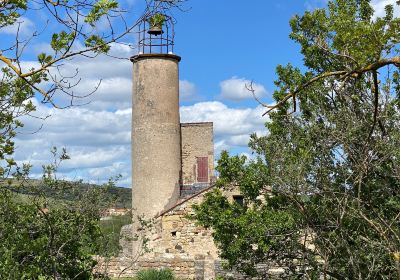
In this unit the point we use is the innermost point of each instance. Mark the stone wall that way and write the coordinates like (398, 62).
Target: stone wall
(183, 268)
(180, 235)
(197, 141)
(175, 242)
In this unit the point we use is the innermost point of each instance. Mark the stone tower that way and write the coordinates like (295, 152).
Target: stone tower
(156, 138)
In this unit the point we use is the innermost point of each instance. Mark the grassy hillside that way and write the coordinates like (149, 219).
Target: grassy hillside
(64, 191)
(120, 197)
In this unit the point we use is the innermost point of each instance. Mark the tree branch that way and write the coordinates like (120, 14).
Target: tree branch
(343, 75)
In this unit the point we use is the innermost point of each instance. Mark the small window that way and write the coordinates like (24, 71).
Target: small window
(239, 199)
(173, 233)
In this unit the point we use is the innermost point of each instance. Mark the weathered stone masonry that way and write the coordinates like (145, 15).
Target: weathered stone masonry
(156, 134)
(197, 144)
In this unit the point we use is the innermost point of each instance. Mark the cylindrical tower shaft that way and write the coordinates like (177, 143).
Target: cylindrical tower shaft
(156, 143)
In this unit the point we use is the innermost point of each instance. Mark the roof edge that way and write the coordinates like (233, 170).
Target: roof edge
(198, 124)
(184, 201)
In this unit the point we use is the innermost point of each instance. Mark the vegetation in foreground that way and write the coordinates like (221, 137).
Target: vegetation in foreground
(323, 192)
(155, 274)
(152, 274)
(51, 237)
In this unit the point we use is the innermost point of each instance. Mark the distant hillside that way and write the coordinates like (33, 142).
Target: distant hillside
(121, 197)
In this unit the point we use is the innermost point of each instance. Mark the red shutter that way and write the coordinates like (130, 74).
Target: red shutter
(202, 169)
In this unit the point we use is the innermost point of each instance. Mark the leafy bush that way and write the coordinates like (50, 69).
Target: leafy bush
(43, 242)
(154, 274)
(49, 238)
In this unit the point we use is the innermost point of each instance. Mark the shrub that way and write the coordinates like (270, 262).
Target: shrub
(154, 274)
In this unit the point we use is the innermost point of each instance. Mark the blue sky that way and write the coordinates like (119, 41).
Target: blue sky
(223, 45)
(243, 38)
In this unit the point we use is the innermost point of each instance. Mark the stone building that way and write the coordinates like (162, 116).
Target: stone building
(197, 152)
(172, 170)
(173, 167)
(174, 242)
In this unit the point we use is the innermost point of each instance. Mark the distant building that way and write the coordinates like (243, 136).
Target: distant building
(115, 212)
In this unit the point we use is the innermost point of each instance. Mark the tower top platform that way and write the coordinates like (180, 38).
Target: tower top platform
(138, 57)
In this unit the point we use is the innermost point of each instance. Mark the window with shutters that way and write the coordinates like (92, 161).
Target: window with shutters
(202, 169)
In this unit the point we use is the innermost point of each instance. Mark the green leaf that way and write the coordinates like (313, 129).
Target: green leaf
(62, 40)
(99, 9)
(98, 43)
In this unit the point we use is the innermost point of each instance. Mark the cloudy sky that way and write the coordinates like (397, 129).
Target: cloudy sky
(224, 46)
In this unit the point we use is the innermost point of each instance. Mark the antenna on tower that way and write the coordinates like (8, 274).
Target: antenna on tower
(156, 30)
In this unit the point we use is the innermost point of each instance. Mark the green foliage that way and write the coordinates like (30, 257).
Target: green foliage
(116, 196)
(263, 230)
(44, 59)
(156, 20)
(61, 41)
(49, 239)
(38, 243)
(100, 8)
(323, 193)
(14, 93)
(10, 11)
(95, 41)
(155, 274)
(223, 278)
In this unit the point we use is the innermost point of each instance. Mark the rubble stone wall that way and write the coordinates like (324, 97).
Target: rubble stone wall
(175, 242)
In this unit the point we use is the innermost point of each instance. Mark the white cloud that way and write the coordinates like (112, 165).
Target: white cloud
(99, 141)
(96, 140)
(232, 126)
(236, 89)
(227, 121)
(98, 135)
(111, 94)
(102, 66)
(110, 75)
(219, 146)
(187, 91)
(23, 26)
(379, 7)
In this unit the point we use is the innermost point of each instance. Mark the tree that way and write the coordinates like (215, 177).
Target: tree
(50, 237)
(323, 192)
(44, 238)
(41, 238)
(72, 29)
